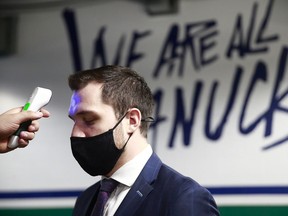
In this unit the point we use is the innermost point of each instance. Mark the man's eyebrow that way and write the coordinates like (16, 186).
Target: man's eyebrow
(84, 112)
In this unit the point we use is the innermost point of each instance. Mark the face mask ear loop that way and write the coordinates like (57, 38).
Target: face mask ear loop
(122, 149)
(120, 120)
(126, 142)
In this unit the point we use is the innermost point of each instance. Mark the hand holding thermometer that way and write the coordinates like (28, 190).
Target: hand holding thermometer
(39, 98)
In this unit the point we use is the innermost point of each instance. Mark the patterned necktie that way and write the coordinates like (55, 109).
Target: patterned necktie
(106, 188)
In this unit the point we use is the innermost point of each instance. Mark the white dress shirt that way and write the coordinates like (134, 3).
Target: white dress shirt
(126, 176)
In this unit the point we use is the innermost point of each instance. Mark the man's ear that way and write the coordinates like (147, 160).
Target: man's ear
(135, 117)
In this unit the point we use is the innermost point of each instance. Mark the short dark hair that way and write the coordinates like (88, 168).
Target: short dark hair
(122, 88)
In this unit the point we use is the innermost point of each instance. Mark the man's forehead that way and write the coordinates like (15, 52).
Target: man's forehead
(84, 102)
(75, 100)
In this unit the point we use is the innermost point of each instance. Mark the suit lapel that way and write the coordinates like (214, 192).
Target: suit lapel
(141, 188)
(89, 204)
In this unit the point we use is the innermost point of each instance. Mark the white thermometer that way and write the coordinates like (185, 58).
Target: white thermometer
(39, 98)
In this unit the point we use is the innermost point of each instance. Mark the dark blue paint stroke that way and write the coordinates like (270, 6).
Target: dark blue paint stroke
(237, 190)
(249, 190)
(40, 194)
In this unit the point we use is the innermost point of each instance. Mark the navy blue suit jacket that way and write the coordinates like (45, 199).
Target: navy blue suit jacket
(159, 190)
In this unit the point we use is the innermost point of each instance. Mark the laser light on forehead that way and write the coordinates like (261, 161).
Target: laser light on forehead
(75, 100)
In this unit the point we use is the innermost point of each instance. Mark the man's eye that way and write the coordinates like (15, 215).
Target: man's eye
(89, 121)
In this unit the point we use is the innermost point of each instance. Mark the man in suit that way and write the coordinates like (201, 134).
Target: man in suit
(111, 107)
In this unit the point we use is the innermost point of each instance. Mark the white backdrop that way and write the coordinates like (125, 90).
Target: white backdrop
(44, 59)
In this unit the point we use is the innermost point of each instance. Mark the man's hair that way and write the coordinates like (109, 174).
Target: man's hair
(122, 88)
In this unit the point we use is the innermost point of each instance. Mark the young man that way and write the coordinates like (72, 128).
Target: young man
(111, 107)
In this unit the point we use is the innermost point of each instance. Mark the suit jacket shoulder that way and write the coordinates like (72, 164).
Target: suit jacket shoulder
(160, 190)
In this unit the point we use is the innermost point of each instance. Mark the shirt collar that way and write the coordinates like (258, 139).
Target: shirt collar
(128, 173)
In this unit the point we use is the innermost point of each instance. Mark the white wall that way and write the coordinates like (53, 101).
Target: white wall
(44, 59)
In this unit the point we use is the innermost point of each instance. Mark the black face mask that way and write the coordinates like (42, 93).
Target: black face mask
(97, 155)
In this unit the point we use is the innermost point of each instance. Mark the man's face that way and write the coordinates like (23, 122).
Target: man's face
(90, 115)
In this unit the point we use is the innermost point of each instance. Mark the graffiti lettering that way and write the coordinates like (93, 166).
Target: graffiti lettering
(187, 123)
(249, 44)
(198, 44)
(100, 50)
(199, 39)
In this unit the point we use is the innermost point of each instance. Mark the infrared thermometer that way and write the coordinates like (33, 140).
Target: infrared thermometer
(39, 98)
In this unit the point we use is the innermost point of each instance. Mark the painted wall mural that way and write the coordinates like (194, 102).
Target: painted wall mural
(218, 72)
